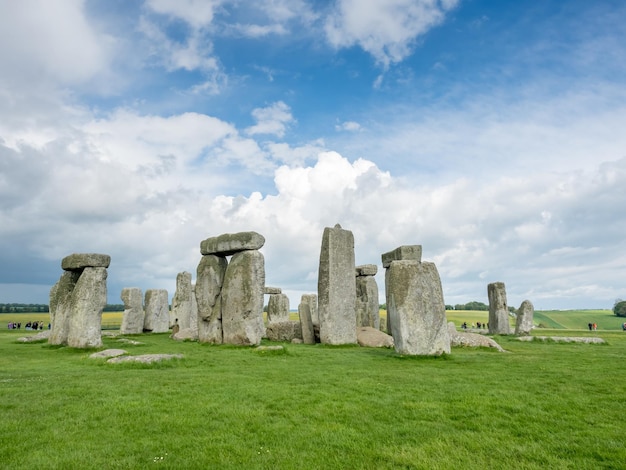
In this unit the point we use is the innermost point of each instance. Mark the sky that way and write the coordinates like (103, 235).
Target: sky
(491, 133)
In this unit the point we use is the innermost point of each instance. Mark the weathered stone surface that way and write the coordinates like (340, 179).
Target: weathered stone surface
(335, 287)
(185, 334)
(41, 336)
(242, 299)
(156, 305)
(564, 339)
(230, 243)
(367, 305)
(107, 353)
(145, 358)
(311, 301)
(283, 331)
(524, 320)
(278, 308)
(275, 347)
(416, 308)
(472, 340)
(306, 320)
(78, 261)
(373, 338)
(272, 290)
(88, 300)
(366, 270)
(182, 305)
(133, 317)
(60, 300)
(498, 310)
(209, 282)
(402, 253)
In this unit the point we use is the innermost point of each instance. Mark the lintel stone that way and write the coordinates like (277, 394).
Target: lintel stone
(272, 290)
(78, 261)
(366, 270)
(230, 243)
(403, 253)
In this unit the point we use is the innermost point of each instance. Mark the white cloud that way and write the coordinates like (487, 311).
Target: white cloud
(350, 126)
(387, 29)
(198, 13)
(271, 120)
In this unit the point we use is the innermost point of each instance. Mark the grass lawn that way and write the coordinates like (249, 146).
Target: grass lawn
(543, 405)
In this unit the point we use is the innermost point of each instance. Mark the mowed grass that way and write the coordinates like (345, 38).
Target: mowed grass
(543, 405)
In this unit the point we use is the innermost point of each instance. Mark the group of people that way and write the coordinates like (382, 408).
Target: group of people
(592, 326)
(478, 325)
(31, 326)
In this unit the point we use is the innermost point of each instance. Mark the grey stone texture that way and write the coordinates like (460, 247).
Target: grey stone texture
(132, 320)
(307, 302)
(402, 253)
(157, 311)
(272, 290)
(311, 301)
(471, 340)
(209, 282)
(278, 308)
(367, 305)
(78, 261)
(416, 309)
(242, 299)
(373, 338)
(183, 303)
(77, 301)
(335, 287)
(230, 243)
(366, 270)
(498, 310)
(524, 320)
(284, 331)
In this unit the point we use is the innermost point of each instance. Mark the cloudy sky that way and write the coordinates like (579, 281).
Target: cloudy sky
(491, 133)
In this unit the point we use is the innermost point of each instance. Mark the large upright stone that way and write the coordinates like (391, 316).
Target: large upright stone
(230, 243)
(157, 317)
(242, 299)
(335, 287)
(524, 320)
(209, 282)
(416, 308)
(88, 300)
(182, 303)
(306, 320)
(311, 301)
(367, 305)
(278, 308)
(498, 310)
(132, 319)
(60, 303)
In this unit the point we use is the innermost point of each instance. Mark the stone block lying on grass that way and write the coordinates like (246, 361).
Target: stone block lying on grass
(284, 331)
(563, 339)
(372, 338)
(41, 336)
(145, 358)
(472, 340)
(108, 353)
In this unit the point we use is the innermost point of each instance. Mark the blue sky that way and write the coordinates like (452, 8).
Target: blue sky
(492, 133)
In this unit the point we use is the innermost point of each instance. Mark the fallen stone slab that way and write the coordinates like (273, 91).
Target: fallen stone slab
(564, 339)
(78, 261)
(108, 353)
(471, 340)
(145, 358)
(370, 337)
(129, 341)
(269, 348)
(41, 336)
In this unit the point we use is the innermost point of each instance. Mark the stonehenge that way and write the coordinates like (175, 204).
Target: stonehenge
(367, 305)
(524, 320)
(133, 317)
(498, 310)
(229, 294)
(184, 306)
(415, 307)
(77, 301)
(336, 290)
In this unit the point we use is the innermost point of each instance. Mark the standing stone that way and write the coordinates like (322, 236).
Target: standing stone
(242, 299)
(209, 281)
(335, 287)
(193, 322)
(60, 300)
(306, 322)
(367, 306)
(181, 302)
(88, 300)
(157, 318)
(77, 301)
(311, 301)
(416, 308)
(524, 321)
(498, 310)
(132, 320)
(278, 308)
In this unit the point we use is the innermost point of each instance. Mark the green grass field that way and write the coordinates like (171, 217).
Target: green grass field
(543, 405)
